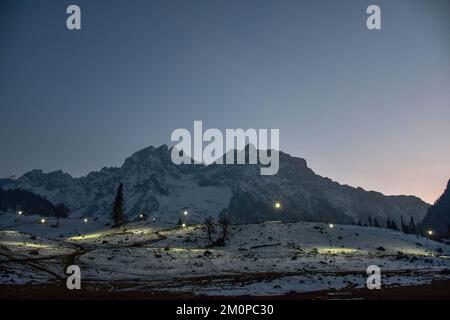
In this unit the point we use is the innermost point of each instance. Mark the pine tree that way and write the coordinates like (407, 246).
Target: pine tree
(404, 228)
(412, 225)
(394, 226)
(376, 223)
(180, 222)
(388, 224)
(370, 221)
(117, 213)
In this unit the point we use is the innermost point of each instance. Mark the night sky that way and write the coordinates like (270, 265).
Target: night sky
(366, 108)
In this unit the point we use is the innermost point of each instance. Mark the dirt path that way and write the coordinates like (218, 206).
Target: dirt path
(70, 259)
(435, 290)
(30, 262)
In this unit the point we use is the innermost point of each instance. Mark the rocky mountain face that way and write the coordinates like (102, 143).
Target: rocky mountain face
(438, 216)
(163, 190)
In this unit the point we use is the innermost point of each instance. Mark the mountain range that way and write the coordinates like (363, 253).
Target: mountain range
(155, 186)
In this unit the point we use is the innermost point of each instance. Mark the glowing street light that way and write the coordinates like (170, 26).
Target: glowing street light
(277, 205)
(185, 212)
(85, 220)
(430, 232)
(331, 226)
(20, 212)
(141, 216)
(43, 220)
(184, 225)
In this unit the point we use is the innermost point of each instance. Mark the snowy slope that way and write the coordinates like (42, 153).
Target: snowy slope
(258, 259)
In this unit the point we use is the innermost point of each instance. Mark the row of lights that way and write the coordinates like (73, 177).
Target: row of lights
(142, 216)
(43, 220)
(277, 205)
(185, 213)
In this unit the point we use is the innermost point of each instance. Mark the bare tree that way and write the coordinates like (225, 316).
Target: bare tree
(224, 222)
(209, 228)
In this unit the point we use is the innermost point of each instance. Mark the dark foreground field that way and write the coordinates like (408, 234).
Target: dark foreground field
(439, 290)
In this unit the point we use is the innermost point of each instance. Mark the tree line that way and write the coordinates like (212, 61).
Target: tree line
(405, 227)
(30, 204)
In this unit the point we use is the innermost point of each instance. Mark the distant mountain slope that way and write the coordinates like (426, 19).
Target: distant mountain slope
(29, 203)
(438, 216)
(153, 184)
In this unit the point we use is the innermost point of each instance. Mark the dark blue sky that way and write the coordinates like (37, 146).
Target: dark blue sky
(367, 108)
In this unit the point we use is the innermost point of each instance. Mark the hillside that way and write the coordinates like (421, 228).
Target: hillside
(438, 215)
(260, 259)
(29, 203)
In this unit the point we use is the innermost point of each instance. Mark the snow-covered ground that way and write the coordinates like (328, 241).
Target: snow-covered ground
(272, 258)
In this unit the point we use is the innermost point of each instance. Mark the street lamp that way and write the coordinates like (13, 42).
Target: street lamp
(185, 212)
(20, 212)
(331, 226)
(184, 225)
(430, 234)
(43, 220)
(85, 220)
(277, 205)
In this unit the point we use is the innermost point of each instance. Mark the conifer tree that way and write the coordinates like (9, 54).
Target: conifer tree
(376, 223)
(394, 226)
(117, 213)
(404, 229)
(412, 225)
